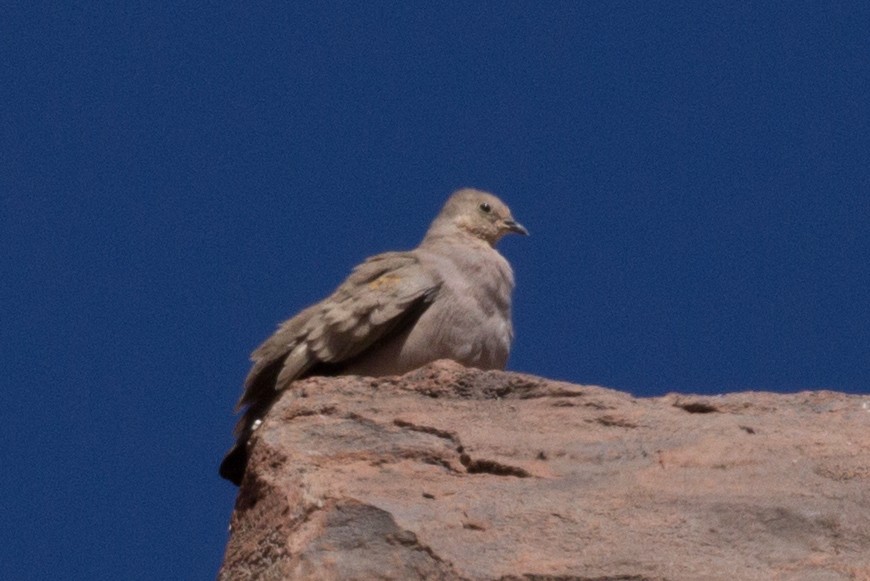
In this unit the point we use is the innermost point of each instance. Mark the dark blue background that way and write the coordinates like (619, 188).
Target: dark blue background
(178, 178)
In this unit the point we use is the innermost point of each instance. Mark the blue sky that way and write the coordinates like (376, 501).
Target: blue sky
(178, 178)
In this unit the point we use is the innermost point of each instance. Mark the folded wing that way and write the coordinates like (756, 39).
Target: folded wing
(382, 296)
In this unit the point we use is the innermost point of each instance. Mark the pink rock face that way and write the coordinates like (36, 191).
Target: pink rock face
(455, 473)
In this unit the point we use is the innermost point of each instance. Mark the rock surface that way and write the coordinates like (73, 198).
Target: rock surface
(455, 473)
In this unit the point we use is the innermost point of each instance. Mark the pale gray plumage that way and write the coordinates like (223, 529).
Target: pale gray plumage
(450, 298)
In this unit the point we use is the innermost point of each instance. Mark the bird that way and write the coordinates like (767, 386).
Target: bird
(449, 298)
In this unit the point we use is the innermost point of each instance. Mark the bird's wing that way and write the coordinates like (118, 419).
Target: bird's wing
(381, 296)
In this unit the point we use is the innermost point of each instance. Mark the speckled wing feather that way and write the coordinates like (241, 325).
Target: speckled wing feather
(382, 294)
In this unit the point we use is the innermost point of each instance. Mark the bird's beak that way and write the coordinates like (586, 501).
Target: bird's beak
(511, 225)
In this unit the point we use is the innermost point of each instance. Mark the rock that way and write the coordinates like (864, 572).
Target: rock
(455, 473)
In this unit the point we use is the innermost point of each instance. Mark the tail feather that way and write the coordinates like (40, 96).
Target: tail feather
(235, 462)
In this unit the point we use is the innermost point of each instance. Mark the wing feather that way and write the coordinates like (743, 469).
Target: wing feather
(378, 298)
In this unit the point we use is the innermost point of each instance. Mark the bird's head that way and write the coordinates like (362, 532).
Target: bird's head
(477, 213)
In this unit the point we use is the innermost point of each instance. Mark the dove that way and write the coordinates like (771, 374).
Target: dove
(449, 298)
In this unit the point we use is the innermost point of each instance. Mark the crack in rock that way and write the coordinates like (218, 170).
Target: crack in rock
(697, 407)
(491, 467)
(427, 430)
(471, 466)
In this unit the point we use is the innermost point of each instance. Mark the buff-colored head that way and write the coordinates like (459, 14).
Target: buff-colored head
(476, 213)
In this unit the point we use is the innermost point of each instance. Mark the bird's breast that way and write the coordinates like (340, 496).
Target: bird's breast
(470, 319)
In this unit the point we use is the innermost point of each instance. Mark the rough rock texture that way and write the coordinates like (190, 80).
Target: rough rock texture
(454, 473)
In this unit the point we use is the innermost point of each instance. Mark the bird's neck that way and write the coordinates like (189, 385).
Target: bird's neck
(454, 234)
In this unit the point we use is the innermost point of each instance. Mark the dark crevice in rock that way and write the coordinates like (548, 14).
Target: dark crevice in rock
(427, 430)
(472, 526)
(491, 467)
(697, 407)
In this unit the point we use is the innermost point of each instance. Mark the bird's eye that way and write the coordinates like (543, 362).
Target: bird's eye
(486, 208)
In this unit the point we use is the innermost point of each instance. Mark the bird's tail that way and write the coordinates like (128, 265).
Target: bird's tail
(235, 462)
